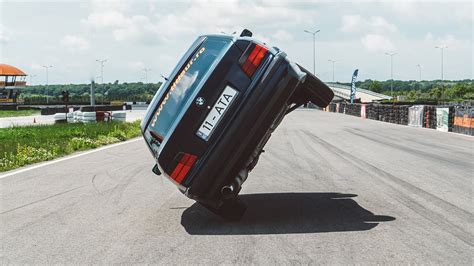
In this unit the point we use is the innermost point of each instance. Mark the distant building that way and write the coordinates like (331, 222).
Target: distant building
(12, 80)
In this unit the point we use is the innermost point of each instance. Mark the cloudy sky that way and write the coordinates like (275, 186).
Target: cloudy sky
(134, 35)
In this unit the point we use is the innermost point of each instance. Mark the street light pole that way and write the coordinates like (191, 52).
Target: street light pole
(101, 62)
(314, 48)
(391, 71)
(419, 70)
(146, 74)
(47, 82)
(333, 63)
(442, 47)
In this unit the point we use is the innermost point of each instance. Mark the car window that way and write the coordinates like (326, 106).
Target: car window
(184, 84)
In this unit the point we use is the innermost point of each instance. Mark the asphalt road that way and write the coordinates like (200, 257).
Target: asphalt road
(330, 189)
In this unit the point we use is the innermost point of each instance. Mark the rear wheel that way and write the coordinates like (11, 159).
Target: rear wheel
(231, 209)
(315, 90)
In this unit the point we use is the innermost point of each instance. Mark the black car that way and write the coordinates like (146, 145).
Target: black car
(208, 123)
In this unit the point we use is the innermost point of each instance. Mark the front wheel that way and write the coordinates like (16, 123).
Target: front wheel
(315, 90)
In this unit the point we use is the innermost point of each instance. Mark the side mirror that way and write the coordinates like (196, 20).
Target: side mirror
(246, 33)
(156, 170)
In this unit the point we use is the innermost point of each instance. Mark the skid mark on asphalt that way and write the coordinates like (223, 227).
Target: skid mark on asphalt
(56, 213)
(41, 200)
(438, 218)
(365, 165)
(418, 152)
(405, 137)
(438, 174)
(319, 167)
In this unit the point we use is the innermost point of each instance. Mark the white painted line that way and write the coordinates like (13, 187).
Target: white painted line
(14, 172)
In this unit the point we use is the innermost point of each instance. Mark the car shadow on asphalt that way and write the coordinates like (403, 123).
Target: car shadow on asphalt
(286, 213)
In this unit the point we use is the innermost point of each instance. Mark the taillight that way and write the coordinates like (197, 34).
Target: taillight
(252, 58)
(184, 165)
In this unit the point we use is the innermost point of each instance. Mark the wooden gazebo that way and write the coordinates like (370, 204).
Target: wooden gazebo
(12, 80)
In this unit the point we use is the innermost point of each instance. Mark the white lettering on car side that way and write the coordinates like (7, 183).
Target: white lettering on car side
(175, 83)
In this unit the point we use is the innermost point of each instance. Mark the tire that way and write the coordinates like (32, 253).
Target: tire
(119, 115)
(60, 116)
(317, 92)
(88, 114)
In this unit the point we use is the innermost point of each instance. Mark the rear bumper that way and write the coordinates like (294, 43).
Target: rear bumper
(221, 163)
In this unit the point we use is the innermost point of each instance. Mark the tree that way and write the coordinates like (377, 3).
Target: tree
(376, 86)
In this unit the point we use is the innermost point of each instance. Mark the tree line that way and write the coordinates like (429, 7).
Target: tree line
(426, 90)
(435, 90)
(80, 93)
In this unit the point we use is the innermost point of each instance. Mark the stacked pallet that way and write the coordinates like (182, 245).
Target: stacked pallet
(452, 114)
(381, 112)
(342, 108)
(403, 114)
(429, 117)
(393, 114)
(372, 111)
(445, 118)
(331, 107)
(353, 109)
(464, 120)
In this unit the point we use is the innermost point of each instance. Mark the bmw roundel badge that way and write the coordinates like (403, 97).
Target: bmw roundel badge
(200, 101)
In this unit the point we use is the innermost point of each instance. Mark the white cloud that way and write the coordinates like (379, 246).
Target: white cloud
(446, 40)
(4, 35)
(74, 43)
(157, 32)
(35, 66)
(377, 42)
(136, 28)
(138, 65)
(282, 36)
(440, 10)
(375, 24)
(204, 16)
(105, 19)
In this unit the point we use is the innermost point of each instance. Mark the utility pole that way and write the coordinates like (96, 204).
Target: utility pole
(391, 71)
(419, 70)
(101, 62)
(47, 82)
(314, 48)
(146, 70)
(92, 92)
(442, 47)
(333, 63)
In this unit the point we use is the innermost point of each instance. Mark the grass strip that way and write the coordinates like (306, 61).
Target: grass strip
(14, 113)
(20, 146)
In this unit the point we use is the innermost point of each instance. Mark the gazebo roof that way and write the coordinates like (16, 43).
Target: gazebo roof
(7, 70)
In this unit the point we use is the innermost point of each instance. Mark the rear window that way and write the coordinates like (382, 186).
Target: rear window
(183, 86)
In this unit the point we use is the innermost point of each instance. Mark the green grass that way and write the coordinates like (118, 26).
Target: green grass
(21, 146)
(5, 113)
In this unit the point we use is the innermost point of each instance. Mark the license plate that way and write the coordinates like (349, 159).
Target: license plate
(216, 113)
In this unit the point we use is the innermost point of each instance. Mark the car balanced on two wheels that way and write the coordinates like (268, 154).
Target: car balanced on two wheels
(209, 122)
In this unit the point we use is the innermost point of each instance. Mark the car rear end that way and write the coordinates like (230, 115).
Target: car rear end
(206, 121)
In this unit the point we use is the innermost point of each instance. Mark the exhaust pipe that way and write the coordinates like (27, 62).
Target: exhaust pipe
(233, 188)
(227, 191)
